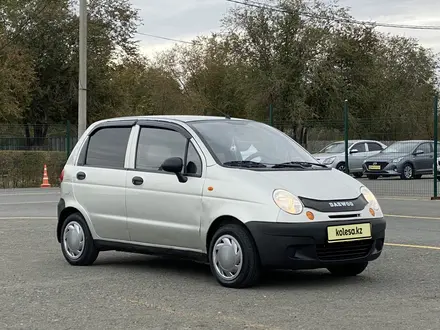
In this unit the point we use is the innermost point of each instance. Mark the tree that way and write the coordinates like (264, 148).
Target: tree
(50, 35)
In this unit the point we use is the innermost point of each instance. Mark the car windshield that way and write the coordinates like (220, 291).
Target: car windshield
(251, 144)
(401, 147)
(335, 148)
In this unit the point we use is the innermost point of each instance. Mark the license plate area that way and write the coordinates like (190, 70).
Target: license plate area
(351, 232)
(374, 167)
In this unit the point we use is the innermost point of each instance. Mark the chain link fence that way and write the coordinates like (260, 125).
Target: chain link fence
(25, 149)
(395, 156)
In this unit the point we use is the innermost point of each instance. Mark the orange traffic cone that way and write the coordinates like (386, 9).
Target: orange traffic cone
(45, 183)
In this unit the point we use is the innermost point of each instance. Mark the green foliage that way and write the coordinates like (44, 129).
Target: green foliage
(304, 59)
(19, 169)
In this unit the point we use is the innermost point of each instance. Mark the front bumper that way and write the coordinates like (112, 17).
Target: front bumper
(304, 245)
(388, 169)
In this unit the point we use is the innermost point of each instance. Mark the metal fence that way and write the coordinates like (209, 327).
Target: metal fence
(25, 149)
(402, 169)
(395, 156)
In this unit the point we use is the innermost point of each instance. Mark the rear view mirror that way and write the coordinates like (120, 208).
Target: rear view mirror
(418, 152)
(174, 165)
(354, 151)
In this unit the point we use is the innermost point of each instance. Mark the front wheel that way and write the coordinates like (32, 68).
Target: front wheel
(77, 241)
(372, 176)
(233, 257)
(341, 167)
(348, 269)
(407, 172)
(358, 175)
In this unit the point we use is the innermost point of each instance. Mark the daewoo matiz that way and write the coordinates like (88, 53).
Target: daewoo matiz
(235, 193)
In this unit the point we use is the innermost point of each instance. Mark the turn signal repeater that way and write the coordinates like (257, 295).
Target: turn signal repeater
(372, 212)
(310, 215)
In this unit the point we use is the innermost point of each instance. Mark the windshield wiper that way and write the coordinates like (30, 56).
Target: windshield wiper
(244, 163)
(298, 164)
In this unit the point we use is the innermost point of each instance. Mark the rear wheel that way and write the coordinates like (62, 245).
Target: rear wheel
(77, 241)
(348, 269)
(233, 257)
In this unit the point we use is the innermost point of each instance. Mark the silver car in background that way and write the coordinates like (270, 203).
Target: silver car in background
(333, 155)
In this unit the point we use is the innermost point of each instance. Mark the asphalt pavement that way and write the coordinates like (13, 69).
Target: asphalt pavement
(39, 290)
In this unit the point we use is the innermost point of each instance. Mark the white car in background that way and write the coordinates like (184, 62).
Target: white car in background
(438, 168)
(333, 155)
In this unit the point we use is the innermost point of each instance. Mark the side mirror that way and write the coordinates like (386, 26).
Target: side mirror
(174, 165)
(354, 151)
(418, 152)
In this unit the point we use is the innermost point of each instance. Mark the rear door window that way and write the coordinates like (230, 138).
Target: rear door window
(107, 148)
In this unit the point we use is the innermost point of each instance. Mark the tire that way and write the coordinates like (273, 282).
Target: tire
(341, 167)
(372, 176)
(348, 269)
(358, 175)
(407, 172)
(89, 252)
(250, 271)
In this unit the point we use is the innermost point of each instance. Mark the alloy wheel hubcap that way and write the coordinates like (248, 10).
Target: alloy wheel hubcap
(408, 171)
(73, 240)
(227, 257)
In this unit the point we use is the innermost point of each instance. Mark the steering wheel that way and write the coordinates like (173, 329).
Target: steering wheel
(254, 155)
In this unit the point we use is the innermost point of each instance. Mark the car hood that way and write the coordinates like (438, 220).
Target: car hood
(387, 156)
(322, 156)
(315, 184)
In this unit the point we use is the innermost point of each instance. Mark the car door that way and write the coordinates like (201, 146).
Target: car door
(99, 180)
(423, 162)
(161, 210)
(355, 160)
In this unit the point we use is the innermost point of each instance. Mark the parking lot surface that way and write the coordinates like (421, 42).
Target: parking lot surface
(395, 187)
(39, 290)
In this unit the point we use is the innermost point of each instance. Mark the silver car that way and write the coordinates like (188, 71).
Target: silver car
(333, 155)
(190, 186)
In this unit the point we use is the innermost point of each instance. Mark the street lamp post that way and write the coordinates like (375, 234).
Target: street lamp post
(82, 83)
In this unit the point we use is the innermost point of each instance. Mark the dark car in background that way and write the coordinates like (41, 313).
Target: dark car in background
(408, 159)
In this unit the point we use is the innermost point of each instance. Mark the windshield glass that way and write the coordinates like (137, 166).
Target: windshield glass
(242, 140)
(335, 148)
(401, 147)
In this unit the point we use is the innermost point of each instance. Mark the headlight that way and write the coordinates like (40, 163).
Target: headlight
(328, 161)
(371, 199)
(287, 202)
(397, 160)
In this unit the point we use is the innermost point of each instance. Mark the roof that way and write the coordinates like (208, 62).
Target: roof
(181, 118)
(356, 141)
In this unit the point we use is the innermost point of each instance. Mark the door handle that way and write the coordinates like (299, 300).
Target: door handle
(137, 181)
(80, 175)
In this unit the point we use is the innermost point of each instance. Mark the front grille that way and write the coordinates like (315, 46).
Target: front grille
(337, 205)
(381, 164)
(343, 250)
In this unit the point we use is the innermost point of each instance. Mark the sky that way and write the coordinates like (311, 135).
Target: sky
(186, 19)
